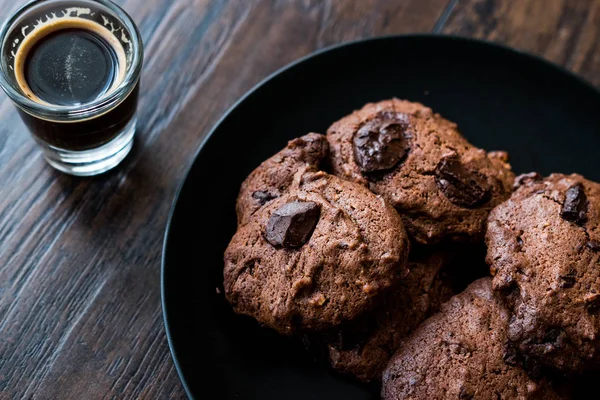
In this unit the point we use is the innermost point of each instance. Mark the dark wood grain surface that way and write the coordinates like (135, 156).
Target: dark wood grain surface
(80, 314)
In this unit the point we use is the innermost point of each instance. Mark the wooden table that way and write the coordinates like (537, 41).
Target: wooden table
(80, 314)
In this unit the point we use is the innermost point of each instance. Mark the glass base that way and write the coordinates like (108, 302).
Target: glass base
(94, 161)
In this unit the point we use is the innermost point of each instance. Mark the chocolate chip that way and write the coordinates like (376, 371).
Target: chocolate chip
(463, 187)
(593, 245)
(263, 197)
(381, 143)
(292, 224)
(575, 207)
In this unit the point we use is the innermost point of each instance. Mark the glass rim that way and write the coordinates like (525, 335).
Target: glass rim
(100, 105)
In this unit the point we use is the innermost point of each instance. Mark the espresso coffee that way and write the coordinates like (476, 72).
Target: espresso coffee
(73, 62)
(70, 67)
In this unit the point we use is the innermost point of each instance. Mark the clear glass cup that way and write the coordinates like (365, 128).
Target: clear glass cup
(79, 139)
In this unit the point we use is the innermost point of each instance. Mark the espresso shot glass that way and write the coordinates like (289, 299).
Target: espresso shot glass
(72, 68)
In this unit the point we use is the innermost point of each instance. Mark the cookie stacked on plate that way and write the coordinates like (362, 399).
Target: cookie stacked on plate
(359, 237)
(311, 250)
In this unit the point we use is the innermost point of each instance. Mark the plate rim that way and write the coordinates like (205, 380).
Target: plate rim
(420, 36)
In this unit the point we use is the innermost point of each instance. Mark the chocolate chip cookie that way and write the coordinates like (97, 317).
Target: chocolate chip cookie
(459, 353)
(363, 347)
(443, 186)
(274, 176)
(320, 253)
(544, 253)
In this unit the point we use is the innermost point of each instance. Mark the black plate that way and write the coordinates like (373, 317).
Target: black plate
(547, 118)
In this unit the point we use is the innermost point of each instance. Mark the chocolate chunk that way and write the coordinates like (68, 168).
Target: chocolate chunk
(292, 224)
(463, 187)
(575, 207)
(593, 245)
(381, 143)
(263, 197)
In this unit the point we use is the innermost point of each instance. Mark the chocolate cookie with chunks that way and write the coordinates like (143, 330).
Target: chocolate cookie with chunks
(273, 177)
(443, 186)
(544, 252)
(460, 353)
(319, 254)
(362, 348)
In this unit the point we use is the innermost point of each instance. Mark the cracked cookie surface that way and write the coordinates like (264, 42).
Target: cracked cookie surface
(459, 353)
(363, 347)
(443, 186)
(317, 255)
(544, 253)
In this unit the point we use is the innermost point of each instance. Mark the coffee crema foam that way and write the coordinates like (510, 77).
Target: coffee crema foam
(57, 23)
